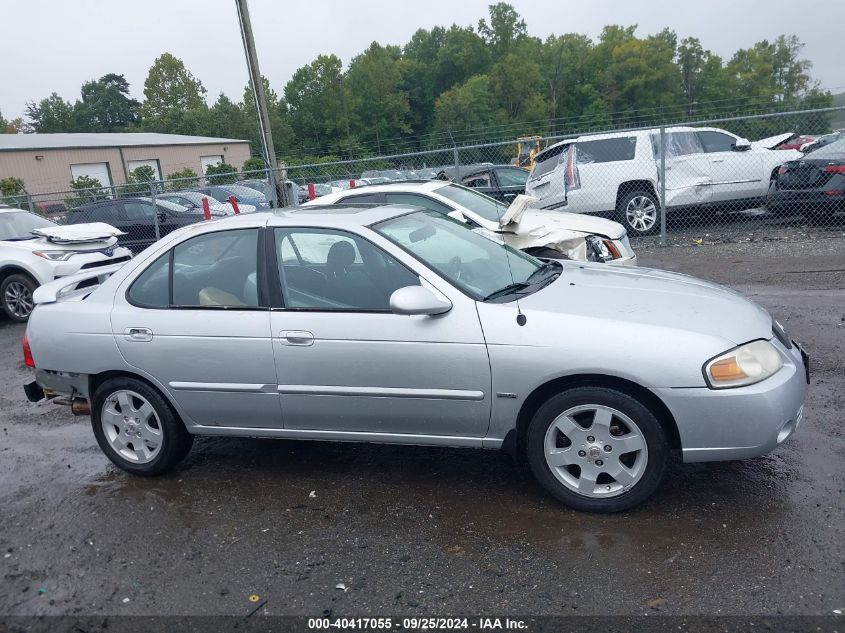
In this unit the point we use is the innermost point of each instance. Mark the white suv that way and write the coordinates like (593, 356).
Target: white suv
(618, 173)
(34, 251)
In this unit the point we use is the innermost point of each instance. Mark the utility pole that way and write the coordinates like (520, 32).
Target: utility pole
(278, 193)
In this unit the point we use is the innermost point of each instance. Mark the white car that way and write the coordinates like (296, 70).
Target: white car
(617, 173)
(193, 200)
(549, 234)
(35, 251)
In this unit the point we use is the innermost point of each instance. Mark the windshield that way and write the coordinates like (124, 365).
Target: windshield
(475, 264)
(167, 204)
(485, 206)
(17, 225)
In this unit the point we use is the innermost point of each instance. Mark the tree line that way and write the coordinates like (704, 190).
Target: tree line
(451, 85)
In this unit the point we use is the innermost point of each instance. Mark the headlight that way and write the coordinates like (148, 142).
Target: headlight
(600, 249)
(55, 256)
(745, 365)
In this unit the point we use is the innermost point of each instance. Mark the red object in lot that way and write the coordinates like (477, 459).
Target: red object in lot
(796, 143)
(351, 184)
(206, 210)
(835, 169)
(27, 353)
(311, 193)
(234, 204)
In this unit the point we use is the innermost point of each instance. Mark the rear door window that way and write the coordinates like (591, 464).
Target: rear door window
(678, 144)
(716, 141)
(607, 150)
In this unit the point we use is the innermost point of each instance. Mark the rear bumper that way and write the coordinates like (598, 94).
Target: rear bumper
(726, 424)
(798, 199)
(49, 384)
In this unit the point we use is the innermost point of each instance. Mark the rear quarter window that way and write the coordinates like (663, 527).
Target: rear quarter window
(607, 150)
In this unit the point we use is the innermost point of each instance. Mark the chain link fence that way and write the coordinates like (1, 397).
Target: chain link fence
(758, 177)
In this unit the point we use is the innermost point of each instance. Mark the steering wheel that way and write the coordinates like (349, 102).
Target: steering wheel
(453, 267)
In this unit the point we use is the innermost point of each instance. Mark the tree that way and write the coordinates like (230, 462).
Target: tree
(469, 106)
(86, 189)
(277, 111)
(462, 55)
(515, 80)
(105, 105)
(182, 179)
(505, 29)
(221, 174)
(140, 180)
(13, 192)
(52, 114)
(253, 164)
(318, 104)
(174, 100)
(378, 107)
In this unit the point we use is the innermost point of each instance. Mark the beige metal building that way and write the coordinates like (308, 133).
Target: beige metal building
(48, 162)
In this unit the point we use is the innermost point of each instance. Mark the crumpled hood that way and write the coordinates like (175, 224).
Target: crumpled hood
(80, 233)
(537, 222)
(772, 141)
(653, 297)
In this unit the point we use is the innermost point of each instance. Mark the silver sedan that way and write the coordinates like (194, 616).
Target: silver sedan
(398, 325)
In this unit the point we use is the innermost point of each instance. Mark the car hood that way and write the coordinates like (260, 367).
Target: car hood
(771, 142)
(93, 235)
(652, 297)
(535, 221)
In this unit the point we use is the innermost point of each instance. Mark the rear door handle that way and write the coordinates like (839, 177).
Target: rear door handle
(138, 334)
(718, 160)
(297, 337)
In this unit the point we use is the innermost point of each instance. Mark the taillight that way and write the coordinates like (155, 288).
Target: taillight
(782, 169)
(571, 178)
(27, 353)
(835, 169)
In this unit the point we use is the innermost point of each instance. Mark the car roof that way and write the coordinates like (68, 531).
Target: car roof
(609, 135)
(420, 186)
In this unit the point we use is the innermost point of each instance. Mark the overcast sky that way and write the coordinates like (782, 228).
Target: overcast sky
(55, 45)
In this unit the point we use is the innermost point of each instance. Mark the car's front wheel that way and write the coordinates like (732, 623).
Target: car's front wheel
(16, 294)
(597, 449)
(136, 428)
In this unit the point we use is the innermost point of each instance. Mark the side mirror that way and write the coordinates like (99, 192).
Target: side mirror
(741, 145)
(417, 300)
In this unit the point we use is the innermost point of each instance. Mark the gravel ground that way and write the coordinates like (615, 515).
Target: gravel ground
(407, 530)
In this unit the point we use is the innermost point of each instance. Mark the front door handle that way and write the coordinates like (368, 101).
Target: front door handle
(297, 337)
(138, 334)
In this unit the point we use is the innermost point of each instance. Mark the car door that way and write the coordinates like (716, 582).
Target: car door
(346, 364)
(736, 174)
(482, 182)
(689, 179)
(140, 223)
(195, 321)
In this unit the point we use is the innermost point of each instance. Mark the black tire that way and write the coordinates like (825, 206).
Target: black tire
(651, 431)
(622, 212)
(175, 440)
(10, 287)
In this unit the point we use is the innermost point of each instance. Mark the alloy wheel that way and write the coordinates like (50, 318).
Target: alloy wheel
(641, 213)
(18, 299)
(596, 451)
(131, 426)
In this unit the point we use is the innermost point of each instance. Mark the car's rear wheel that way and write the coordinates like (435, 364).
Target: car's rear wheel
(16, 294)
(136, 427)
(597, 449)
(639, 212)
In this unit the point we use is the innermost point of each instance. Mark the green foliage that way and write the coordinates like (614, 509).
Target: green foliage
(86, 189)
(52, 114)
(174, 100)
(11, 187)
(105, 105)
(253, 164)
(182, 179)
(140, 181)
(221, 174)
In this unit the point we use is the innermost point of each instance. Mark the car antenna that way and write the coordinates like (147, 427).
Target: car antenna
(521, 319)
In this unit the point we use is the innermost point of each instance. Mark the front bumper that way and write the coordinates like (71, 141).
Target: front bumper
(726, 424)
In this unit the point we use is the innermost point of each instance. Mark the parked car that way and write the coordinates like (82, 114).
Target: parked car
(821, 141)
(136, 218)
(813, 185)
(242, 194)
(400, 325)
(390, 174)
(503, 182)
(296, 195)
(192, 200)
(549, 234)
(35, 251)
(618, 173)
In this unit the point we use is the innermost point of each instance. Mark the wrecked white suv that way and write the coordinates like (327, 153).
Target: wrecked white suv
(35, 251)
(618, 173)
(547, 234)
